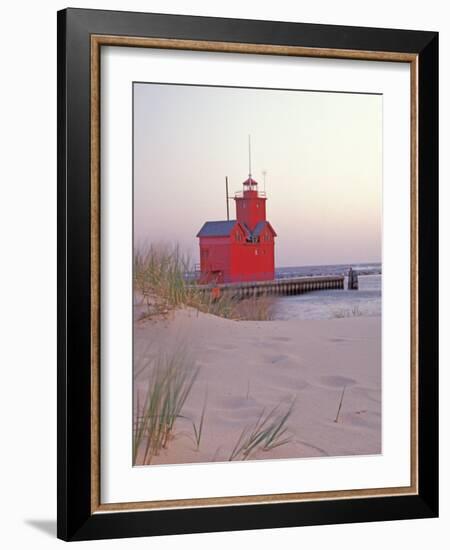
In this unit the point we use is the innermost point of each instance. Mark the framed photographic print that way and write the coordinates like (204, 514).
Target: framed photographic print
(247, 252)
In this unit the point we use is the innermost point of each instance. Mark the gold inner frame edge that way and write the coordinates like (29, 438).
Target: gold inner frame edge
(97, 41)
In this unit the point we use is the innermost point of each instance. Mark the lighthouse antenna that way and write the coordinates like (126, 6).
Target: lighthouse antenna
(249, 156)
(227, 198)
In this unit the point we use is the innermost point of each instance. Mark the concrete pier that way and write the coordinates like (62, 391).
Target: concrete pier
(277, 287)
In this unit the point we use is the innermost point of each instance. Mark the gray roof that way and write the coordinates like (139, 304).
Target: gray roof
(217, 229)
(259, 227)
(224, 228)
(247, 231)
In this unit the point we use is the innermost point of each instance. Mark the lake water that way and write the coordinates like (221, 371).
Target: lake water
(329, 304)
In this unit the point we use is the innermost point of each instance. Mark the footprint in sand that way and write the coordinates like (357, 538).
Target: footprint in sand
(337, 381)
(285, 382)
(226, 347)
(321, 451)
(279, 358)
(239, 403)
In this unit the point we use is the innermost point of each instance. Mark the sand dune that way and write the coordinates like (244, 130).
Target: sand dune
(248, 366)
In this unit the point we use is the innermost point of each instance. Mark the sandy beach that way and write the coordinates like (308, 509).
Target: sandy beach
(247, 367)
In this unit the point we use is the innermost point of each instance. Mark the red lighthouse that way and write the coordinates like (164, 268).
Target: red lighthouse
(242, 249)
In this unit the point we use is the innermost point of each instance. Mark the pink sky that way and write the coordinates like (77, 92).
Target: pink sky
(322, 153)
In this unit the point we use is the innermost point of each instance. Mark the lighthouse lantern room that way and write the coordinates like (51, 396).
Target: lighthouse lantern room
(242, 249)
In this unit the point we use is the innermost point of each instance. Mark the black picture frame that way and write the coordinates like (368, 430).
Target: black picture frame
(76, 521)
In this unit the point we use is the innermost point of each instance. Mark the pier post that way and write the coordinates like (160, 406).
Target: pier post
(352, 280)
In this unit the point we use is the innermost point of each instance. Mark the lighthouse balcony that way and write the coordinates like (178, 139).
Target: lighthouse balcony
(241, 194)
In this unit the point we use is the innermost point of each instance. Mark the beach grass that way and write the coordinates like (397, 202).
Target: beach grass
(269, 432)
(355, 311)
(256, 308)
(173, 376)
(198, 429)
(160, 280)
(159, 275)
